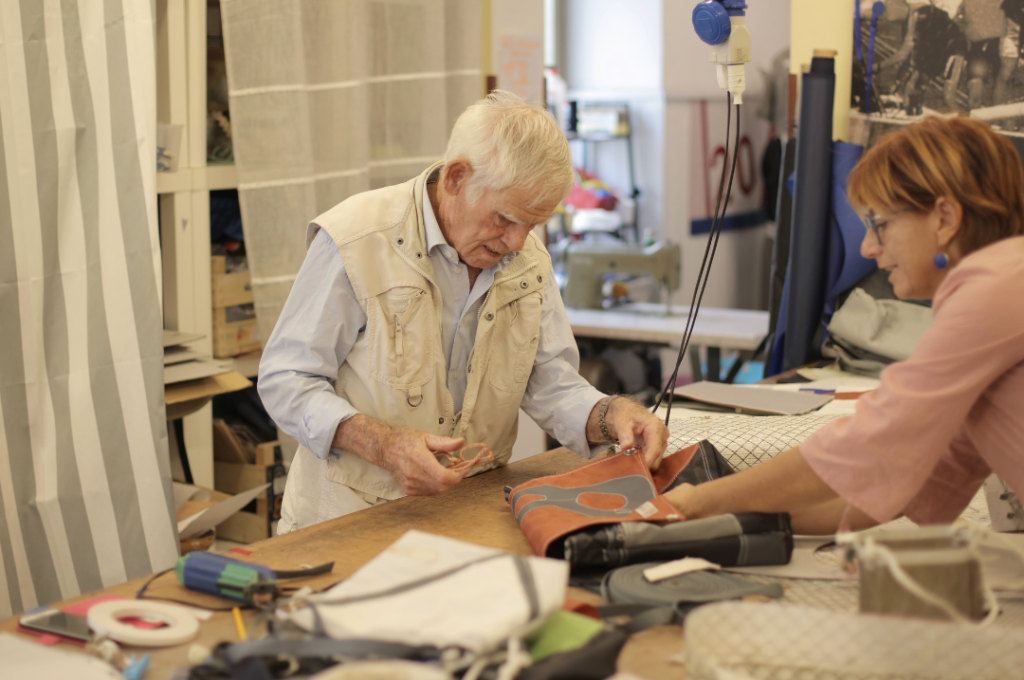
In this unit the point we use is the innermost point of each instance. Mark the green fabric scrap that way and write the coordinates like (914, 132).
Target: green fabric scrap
(563, 632)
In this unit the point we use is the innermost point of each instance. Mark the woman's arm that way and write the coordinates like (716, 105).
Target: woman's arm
(824, 519)
(784, 484)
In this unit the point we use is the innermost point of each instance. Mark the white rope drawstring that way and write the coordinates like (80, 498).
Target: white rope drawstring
(516, 659)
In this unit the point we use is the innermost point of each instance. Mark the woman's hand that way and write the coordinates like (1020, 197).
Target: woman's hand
(683, 498)
(785, 483)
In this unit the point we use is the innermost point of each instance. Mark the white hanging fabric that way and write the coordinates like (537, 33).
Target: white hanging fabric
(329, 98)
(85, 489)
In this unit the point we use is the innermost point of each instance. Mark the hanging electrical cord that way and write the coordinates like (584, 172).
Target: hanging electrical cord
(704, 262)
(710, 249)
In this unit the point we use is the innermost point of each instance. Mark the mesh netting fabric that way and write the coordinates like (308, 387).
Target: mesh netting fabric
(745, 441)
(772, 642)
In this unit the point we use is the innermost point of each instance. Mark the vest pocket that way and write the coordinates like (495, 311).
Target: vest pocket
(399, 330)
(514, 343)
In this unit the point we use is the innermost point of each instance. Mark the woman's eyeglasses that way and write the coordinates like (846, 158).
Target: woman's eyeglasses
(875, 223)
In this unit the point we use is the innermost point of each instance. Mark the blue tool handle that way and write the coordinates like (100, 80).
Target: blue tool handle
(219, 575)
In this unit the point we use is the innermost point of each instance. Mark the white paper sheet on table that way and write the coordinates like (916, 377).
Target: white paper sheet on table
(745, 398)
(23, 659)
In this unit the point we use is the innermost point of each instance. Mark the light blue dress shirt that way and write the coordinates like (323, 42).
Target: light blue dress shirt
(322, 319)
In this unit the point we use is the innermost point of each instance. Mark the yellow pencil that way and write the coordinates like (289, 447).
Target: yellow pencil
(242, 635)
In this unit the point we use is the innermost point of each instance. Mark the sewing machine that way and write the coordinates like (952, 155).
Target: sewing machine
(586, 265)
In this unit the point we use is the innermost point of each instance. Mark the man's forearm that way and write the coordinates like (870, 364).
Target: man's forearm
(364, 436)
(784, 484)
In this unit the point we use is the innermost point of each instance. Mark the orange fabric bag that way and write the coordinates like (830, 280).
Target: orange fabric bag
(611, 490)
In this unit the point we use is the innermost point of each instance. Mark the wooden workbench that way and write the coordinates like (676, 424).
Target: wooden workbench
(473, 511)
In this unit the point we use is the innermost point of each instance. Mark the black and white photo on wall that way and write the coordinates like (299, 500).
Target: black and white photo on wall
(920, 57)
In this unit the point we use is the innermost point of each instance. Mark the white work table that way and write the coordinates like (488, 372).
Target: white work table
(716, 329)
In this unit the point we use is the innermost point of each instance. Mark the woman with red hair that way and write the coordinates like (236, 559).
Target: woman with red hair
(943, 202)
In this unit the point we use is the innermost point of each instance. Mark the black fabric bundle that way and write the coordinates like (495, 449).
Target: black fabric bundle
(744, 540)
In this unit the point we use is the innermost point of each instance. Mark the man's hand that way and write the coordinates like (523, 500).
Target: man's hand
(406, 453)
(634, 426)
(408, 456)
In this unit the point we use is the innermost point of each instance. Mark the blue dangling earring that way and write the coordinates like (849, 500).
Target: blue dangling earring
(941, 261)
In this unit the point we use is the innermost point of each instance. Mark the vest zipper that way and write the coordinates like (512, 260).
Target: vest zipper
(472, 352)
(399, 344)
(483, 304)
(400, 332)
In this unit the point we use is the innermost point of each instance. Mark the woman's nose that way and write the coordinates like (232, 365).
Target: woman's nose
(869, 246)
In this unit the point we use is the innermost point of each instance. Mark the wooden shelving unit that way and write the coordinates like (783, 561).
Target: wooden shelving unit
(185, 196)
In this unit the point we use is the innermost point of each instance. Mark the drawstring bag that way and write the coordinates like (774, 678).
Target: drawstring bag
(611, 490)
(426, 590)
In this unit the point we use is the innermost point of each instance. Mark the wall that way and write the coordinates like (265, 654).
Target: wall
(519, 18)
(523, 19)
(646, 52)
(826, 24)
(612, 51)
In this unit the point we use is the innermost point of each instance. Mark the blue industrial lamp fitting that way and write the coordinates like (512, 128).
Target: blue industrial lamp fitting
(722, 25)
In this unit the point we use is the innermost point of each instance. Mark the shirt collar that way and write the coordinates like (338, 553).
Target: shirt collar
(436, 239)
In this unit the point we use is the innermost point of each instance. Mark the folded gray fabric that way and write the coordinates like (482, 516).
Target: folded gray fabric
(890, 328)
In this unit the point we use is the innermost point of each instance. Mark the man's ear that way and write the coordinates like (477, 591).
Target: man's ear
(455, 175)
(950, 216)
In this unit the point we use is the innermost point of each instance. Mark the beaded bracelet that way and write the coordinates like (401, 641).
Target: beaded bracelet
(600, 420)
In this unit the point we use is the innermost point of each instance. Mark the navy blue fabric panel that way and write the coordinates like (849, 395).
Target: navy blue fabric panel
(846, 265)
(745, 220)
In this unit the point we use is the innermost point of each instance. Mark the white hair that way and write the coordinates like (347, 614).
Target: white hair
(510, 143)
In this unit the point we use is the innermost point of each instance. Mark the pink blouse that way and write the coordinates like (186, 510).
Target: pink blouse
(941, 421)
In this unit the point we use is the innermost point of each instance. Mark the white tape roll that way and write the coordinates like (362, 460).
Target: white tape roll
(181, 626)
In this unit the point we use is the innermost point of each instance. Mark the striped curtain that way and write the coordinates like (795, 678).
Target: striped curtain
(85, 494)
(330, 98)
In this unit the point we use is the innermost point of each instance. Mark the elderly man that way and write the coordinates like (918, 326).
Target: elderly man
(424, 316)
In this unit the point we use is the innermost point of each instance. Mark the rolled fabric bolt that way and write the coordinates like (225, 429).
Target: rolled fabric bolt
(807, 280)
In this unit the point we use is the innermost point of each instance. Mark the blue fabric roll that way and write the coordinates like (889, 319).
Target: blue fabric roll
(846, 265)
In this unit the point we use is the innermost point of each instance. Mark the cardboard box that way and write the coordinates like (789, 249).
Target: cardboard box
(231, 338)
(234, 320)
(259, 519)
(199, 510)
(229, 289)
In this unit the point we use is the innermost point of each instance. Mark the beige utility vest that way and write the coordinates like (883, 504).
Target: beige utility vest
(396, 371)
